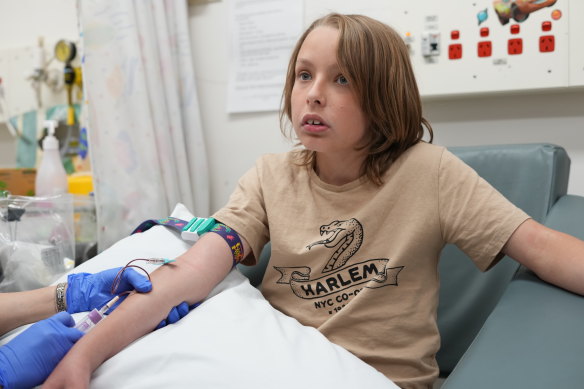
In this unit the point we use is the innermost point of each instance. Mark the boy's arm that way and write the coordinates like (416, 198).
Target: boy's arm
(554, 256)
(191, 278)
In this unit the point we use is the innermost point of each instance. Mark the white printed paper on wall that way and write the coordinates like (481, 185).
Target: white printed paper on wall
(263, 34)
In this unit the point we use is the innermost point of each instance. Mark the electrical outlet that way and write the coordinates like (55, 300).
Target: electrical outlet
(485, 49)
(515, 46)
(455, 51)
(547, 43)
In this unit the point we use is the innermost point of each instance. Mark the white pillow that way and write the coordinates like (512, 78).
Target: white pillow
(235, 339)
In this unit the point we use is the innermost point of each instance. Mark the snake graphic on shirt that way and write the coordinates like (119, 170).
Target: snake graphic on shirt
(339, 282)
(347, 235)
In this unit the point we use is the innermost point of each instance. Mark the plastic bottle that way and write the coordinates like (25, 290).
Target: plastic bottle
(51, 178)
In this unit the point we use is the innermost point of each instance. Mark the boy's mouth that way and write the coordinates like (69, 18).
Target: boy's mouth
(313, 124)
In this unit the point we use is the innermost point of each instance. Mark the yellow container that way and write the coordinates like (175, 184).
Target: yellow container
(80, 184)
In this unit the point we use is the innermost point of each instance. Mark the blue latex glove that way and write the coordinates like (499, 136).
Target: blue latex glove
(176, 314)
(87, 291)
(27, 360)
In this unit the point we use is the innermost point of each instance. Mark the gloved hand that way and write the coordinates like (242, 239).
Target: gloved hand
(176, 314)
(86, 291)
(27, 360)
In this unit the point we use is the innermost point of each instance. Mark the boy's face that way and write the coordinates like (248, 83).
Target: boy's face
(326, 114)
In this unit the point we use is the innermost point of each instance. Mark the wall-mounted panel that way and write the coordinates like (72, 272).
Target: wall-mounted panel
(461, 47)
(576, 37)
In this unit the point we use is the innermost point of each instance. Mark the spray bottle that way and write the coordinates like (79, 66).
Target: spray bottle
(51, 179)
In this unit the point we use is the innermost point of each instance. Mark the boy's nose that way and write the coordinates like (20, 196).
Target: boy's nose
(315, 95)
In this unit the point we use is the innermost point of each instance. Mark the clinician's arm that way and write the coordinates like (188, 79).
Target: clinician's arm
(191, 278)
(554, 256)
(84, 292)
(21, 308)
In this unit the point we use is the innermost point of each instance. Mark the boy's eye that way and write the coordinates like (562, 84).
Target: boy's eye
(303, 76)
(342, 80)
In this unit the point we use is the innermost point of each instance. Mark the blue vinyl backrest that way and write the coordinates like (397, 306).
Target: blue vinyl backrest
(533, 177)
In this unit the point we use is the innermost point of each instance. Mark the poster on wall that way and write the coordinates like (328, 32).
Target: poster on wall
(263, 34)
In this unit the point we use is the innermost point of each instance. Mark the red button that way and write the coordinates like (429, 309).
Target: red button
(546, 26)
(515, 29)
(485, 31)
(455, 34)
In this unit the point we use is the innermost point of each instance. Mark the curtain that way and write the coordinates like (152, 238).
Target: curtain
(145, 136)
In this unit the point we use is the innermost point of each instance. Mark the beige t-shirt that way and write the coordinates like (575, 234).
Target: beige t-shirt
(359, 261)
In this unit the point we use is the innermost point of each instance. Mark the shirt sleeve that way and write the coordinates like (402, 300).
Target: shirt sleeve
(473, 215)
(245, 213)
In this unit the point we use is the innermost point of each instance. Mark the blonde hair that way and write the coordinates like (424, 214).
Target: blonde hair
(375, 60)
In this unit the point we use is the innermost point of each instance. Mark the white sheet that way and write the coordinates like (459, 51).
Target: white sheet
(235, 339)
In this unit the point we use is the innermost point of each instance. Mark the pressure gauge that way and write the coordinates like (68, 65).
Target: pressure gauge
(65, 51)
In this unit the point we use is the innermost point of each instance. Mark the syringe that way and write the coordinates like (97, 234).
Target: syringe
(95, 316)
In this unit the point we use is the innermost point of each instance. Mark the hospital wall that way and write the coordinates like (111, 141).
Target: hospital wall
(235, 141)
